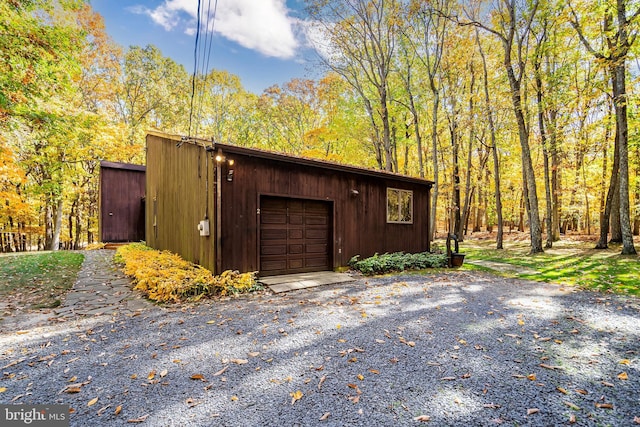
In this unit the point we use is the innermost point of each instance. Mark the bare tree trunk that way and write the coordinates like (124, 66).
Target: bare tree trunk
(620, 104)
(434, 157)
(57, 226)
(545, 151)
(606, 216)
(616, 229)
(494, 148)
(48, 227)
(469, 190)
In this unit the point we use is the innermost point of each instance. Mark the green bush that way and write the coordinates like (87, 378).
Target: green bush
(397, 261)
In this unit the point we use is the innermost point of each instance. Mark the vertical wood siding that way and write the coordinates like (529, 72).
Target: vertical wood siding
(359, 221)
(176, 200)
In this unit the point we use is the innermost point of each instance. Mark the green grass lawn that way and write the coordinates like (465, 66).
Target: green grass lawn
(37, 279)
(568, 262)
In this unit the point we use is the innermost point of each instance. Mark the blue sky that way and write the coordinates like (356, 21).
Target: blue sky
(261, 41)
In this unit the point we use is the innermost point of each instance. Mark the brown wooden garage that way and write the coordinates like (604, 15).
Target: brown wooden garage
(228, 207)
(295, 235)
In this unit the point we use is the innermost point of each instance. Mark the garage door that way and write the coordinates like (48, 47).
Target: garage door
(294, 236)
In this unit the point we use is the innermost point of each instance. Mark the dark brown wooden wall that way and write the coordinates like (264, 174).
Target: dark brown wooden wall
(359, 221)
(122, 189)
(176, 199)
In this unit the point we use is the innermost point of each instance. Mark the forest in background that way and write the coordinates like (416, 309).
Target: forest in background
(524, 113)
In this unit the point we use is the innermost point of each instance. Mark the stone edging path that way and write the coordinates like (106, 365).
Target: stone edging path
(101, 288)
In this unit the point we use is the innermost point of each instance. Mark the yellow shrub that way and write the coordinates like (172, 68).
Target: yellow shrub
(166, 277)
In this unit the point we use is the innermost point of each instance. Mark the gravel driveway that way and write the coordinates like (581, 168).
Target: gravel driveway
(453, 348)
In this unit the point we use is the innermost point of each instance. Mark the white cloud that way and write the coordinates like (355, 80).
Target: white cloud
(261, 25)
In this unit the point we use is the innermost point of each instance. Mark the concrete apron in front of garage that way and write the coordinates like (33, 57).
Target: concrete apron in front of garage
(291, 282)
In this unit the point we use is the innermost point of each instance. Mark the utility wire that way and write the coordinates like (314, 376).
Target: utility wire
(206, 51)
(195, 70)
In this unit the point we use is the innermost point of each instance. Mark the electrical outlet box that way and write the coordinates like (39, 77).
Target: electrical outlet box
(203, 227)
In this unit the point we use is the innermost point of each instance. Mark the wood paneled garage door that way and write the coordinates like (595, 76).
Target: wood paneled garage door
(294, 235)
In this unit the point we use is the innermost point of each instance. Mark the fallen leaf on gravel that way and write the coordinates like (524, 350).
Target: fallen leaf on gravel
(211, 322)
(581, 391)
(101, 410)
(239, 361)
(423, 418)
(354, 399)
(572, 419)
(532, 411)
(324, 416)
(234, 398)
(604, 405)
(374, 371)
(139, 419)
(133, 376)
(380, 341)
(221, 371)
(253, 354)
(163, 373)
(118, 410)
(551, 367)
(72, 390)
(295, 396)
(73, 379)
(518, 376)
(623, 376)
(491, 406)
(562, 390)
(531, 377)
(636, 420)
(606, 384)
(572, 405)
(15, 362)
(151, 375)
(3, 389)
(192, 402)
(448, 378)
(322, 380)
(92, 401)
(625, 362)
(197, 377)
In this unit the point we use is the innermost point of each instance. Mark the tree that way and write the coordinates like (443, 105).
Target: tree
(493, 147)
(431, 27)
(153, 94)
(620, 33)
(362, 36)
(37, 49)
(513, 30)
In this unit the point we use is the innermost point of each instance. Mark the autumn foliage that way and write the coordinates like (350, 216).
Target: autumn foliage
(165, 277)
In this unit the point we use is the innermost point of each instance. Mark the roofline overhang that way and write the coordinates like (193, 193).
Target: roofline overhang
(271, 155)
